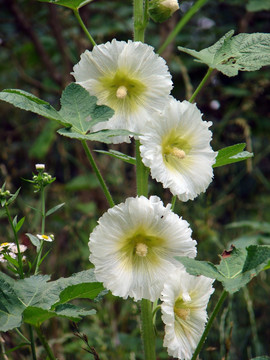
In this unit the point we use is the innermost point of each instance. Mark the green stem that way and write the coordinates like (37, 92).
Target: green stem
(147, 330)
(22, 336)
(78, 17)
(17, 243)
(45, 343)
(173, 202)
(139, 20)
(98, 174)
(32, 340)
(43, 219)
(142, 173)
(209, 324)
(188, 15)
(200, 86)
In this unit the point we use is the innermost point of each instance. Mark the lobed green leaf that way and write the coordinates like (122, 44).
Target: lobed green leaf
(102, 135)
(230, 54)
(236, 268)
(72, 4)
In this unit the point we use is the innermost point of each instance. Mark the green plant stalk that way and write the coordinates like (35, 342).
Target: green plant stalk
(22, 336)
(200, 86)
(98, 174)
(142, 173)
(174, 198)
(147, 330)
(45, 343)
(255, 338)
(209, 324)
(17, 244)
(188, 15)
(139, 20)
(78, 17)
(43, 218)
(32, 343)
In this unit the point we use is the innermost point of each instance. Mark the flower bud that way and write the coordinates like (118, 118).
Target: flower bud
(161, 10)
(40, 166)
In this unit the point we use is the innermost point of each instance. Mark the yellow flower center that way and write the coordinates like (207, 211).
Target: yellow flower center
(4, 244)
(141, 249)
(121, 92)
(45, 237)
(175, 149)
(179, 153)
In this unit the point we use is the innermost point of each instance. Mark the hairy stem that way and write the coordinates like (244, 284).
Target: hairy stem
(43, 218)
(147, 330)
(200, 86)
(45, 343)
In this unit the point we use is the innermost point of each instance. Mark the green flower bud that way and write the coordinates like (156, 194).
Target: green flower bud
(161, 10)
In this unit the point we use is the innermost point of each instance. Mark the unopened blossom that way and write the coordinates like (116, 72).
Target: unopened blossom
(184, 302)
(129, 78)
(176, 147)
(134, 246)
(161, 10)
(48, 238)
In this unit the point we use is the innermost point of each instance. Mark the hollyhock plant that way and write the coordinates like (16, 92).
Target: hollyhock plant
(176, 148)
(184, 301)
(128, 77)
(134, 245)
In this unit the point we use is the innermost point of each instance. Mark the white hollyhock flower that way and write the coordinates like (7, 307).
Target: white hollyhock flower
(184, 301)
(176, 148)
(134, 245)
(128, 77)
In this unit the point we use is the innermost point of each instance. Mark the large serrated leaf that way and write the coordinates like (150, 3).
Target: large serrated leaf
(36, 316)
(16, 296)
(80, 109)
(29, 102)
(237, 267)
(72, 4)
(243, 52)
(102, 135)
(232, 154)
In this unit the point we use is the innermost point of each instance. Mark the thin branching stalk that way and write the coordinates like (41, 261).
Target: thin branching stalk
(43, 219)
(45, 343)
(182, 22)
(201, 85)
(98, 174)
(78, 17)
(209, 324)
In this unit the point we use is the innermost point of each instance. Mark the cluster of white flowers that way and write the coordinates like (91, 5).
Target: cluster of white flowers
(11, 250)
(135, 243)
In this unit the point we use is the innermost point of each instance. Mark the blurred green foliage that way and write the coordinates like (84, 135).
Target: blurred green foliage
(40, 43)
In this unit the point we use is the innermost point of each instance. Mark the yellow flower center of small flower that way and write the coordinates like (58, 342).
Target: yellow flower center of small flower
(45, 237)
(141, 249)
(121, 92)
(182, 313)
(4, 244)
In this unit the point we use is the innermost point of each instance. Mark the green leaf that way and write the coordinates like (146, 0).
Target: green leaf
(237, 266)
(34, 240)
(263, 227)
(72, 4)
(36, 316)
(80, 110)
(119, 155)
(232, 154)
(16, 296)
(54, 209)
(255, 5)
(29, 102)
(244, 52)
(102, 136)
(19, 225)
(13, 197)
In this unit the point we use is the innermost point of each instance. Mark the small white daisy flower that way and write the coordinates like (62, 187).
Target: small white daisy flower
(134, 245)
(40, 166)
(176, 148)
(184, 301)
(49, 238)
(128, 77)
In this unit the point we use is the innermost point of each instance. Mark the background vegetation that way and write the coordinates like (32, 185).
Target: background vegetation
(40, 43)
